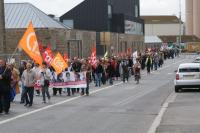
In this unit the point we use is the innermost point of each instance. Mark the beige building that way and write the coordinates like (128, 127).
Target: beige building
(193, 17)
(162, 25)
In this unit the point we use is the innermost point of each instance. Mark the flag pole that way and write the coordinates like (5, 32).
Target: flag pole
(12, 55)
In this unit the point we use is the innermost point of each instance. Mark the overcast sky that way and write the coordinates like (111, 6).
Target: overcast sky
(148, 7)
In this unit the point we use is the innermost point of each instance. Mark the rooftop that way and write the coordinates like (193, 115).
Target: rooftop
(19, 15)
(184, 39)
(152, 39)
(161, 19)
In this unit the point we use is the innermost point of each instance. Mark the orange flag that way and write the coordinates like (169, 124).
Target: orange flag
(58, 63)
(30, 45)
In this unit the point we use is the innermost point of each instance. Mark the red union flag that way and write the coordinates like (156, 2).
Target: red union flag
(40, 46)
(93, 58)
(128, 51)
(48, 55)
(66, 57)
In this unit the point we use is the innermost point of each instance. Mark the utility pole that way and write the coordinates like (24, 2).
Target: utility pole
(2, 29)
(180, 25)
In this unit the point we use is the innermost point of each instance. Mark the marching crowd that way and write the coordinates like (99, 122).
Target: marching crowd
(106, 71)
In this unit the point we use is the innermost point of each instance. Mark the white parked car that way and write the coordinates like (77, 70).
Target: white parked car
(187, 76)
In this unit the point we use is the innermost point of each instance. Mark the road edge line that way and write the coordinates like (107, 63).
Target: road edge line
(171, 98)
(53, 105)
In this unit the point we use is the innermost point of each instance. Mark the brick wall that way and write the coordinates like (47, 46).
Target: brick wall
(75, 42)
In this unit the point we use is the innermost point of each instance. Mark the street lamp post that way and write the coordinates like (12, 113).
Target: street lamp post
(180, 26)
(2, 29)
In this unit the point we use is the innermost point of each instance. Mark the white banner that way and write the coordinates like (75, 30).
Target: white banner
(66, 80)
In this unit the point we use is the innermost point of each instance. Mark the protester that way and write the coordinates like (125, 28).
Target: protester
(148, 64)
(28, 80)
(156, 61)
(66, 78)
(76, 66)
(21, 70)
(117, 73)
(59, 79)
(125, 70)
(14, 81)
(5, 82)
(136, 68)
(37, 70)
(86, 68)
(110, 72)
(98, 73)
(104, 74)
(45, 75)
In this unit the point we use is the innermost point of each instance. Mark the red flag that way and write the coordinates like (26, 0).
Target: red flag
(93, 58)
(129, 51)
(48, 55)
(66, 57)
(40, 46)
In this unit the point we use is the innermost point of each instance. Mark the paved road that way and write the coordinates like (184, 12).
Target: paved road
(121, 108)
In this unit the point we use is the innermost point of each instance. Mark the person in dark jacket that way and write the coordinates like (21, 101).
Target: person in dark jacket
(98, 74)
(125, 71)
(5, 81)
(148, 64)
(76, 67)
(110, 71)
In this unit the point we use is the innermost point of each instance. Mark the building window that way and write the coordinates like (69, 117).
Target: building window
(136, 11)
(109, 11)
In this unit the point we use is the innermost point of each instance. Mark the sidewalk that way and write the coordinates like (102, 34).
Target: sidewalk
(183, 115)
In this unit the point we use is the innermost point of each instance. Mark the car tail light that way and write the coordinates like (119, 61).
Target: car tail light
(177, 77)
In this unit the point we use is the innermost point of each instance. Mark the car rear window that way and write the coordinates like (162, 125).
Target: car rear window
(184, 70)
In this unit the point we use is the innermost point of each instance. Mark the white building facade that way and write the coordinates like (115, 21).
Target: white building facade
(162, 26)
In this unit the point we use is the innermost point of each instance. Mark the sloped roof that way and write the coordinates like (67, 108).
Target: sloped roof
(18, 15)
(161, 19)
(152, 39)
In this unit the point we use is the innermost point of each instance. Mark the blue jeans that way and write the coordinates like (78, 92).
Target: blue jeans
(156, 65)
(98, 77)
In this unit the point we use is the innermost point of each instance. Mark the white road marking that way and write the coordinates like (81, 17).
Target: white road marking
(143, 92)
(56, 104)
(159, 117)
(65, 101)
